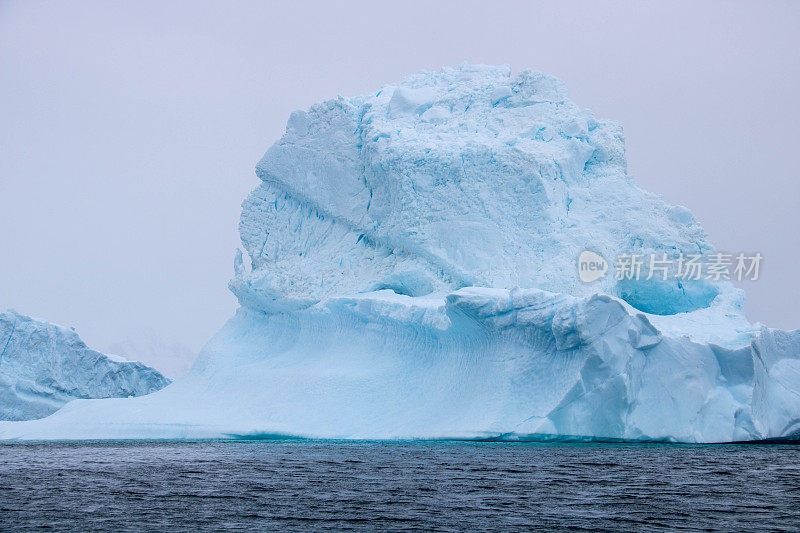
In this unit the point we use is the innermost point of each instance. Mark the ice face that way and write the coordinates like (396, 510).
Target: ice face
(461, 177)
(410, 272)
(44, 366)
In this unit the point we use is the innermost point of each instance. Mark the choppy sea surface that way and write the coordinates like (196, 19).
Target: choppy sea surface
(295, 485)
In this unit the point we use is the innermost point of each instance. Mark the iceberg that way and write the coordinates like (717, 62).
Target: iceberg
(43, 366)
(409, 271)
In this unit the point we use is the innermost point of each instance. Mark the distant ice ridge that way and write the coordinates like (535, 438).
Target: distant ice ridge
(171, 359)
(44, 366)
(410, 272)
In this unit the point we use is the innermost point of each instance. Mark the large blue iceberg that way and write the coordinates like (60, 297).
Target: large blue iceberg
(410, 272)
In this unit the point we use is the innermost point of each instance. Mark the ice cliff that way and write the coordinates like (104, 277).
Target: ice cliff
(44, 366)
(410, 272)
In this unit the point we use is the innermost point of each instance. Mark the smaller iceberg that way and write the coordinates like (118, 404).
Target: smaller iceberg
(43, 366)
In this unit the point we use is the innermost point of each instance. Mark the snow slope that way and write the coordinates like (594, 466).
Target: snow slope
(410, 272)
(44, 366)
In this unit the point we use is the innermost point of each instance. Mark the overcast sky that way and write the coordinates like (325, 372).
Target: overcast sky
(129, 131)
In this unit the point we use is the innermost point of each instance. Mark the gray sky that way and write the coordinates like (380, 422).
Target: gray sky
(129, 131)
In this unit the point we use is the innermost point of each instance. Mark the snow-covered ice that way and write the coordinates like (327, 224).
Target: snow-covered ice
(409, 271)
(43, 366)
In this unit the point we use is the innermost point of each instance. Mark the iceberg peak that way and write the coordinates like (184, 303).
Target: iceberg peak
(465, 176)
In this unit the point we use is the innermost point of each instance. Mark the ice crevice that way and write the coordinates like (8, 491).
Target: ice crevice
(8, 341)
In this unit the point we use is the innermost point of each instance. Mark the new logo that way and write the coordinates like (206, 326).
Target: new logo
(591, 266)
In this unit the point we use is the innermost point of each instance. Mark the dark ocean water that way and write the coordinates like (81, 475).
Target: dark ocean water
(424, 486)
